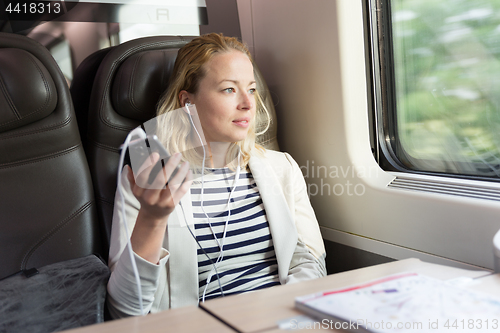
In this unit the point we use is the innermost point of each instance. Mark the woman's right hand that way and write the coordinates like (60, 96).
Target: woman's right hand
(157, 202)
(158, 199)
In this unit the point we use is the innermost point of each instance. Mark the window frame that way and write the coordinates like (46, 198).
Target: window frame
(382, 104)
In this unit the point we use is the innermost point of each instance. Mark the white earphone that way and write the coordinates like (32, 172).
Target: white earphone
(187, 105)
(220, 242)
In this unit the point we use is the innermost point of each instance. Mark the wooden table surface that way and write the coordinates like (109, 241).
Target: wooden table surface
(189, 319)
(262, 310)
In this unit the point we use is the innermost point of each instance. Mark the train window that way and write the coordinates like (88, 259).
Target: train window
(131, 31)
(438, 71)
(72, 30)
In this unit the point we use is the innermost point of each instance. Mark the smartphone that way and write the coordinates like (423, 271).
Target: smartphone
(141, 149)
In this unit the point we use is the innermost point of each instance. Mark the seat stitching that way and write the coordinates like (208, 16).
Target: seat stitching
(131, 90)
(119, 61)
(9, 100)
(39, 130)
(41, 107)
(40, 158)
(109, 202)
(53, 231)
(106, 147)
(46, 84)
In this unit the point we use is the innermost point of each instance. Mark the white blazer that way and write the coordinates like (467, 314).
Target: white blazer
(174, 281)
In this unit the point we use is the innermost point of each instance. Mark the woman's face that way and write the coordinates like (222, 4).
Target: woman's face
(225, 99)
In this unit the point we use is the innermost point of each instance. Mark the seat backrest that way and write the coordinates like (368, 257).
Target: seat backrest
(128, 83)
(81, 88)
(47, 208)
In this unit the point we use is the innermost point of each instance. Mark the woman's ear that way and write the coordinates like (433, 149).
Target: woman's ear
(184, 98)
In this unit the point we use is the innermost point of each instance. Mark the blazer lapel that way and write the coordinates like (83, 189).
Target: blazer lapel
(281, 223)
(183, 255)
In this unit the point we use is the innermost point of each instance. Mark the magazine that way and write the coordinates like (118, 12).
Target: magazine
(407, 302)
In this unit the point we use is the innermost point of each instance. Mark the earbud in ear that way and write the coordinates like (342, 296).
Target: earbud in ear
(186, 107)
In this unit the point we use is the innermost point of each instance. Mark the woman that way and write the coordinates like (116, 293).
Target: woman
(245, 224)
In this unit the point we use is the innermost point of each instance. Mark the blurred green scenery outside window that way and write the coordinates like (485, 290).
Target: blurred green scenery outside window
(447, 85)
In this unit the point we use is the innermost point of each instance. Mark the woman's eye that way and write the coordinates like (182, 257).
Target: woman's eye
(229, 90)
(252, 91)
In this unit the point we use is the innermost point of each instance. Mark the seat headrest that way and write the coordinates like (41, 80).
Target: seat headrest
(26, 89)
(139, 83)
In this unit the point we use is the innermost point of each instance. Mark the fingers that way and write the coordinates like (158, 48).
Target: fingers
(165, 173)
(177, 176)
(179, 182)
(142, 174)
(167, 181)
(185, 186)
(130, 176)
(149, 163)
(158, 186)
(160, 197)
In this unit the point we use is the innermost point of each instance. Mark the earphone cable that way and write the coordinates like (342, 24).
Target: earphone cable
(139, 132)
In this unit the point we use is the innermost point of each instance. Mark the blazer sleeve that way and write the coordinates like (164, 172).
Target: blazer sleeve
(123, 295)
(308, 261)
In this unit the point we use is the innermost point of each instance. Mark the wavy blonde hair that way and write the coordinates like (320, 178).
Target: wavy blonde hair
(174, 128)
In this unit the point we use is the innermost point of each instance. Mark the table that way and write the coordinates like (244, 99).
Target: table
(261, 310)
(489, 284)
(189, 319)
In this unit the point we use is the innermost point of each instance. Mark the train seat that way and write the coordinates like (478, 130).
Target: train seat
(128, 83)
(47, 209)
(122, 85)
(46, 198)
(81, 88)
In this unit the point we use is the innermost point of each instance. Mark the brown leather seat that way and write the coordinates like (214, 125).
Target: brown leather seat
(129, 80)
(47, 208)
(122, 84)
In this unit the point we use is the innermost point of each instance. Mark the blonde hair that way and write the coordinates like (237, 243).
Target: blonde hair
(175, 129)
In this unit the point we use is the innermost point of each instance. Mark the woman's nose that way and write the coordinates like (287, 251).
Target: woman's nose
(247, 101)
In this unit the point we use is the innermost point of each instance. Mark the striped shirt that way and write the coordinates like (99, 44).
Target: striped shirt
(248, 261)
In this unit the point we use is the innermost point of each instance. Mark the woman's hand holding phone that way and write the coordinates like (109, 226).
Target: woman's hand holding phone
(158, 199)
(157, 202)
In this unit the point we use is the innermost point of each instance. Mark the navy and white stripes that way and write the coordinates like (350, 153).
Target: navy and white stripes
(248, 261)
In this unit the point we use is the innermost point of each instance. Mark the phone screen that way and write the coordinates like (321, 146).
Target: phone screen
(141, 149)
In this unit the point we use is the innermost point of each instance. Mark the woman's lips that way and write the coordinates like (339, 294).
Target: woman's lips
(241, 122)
